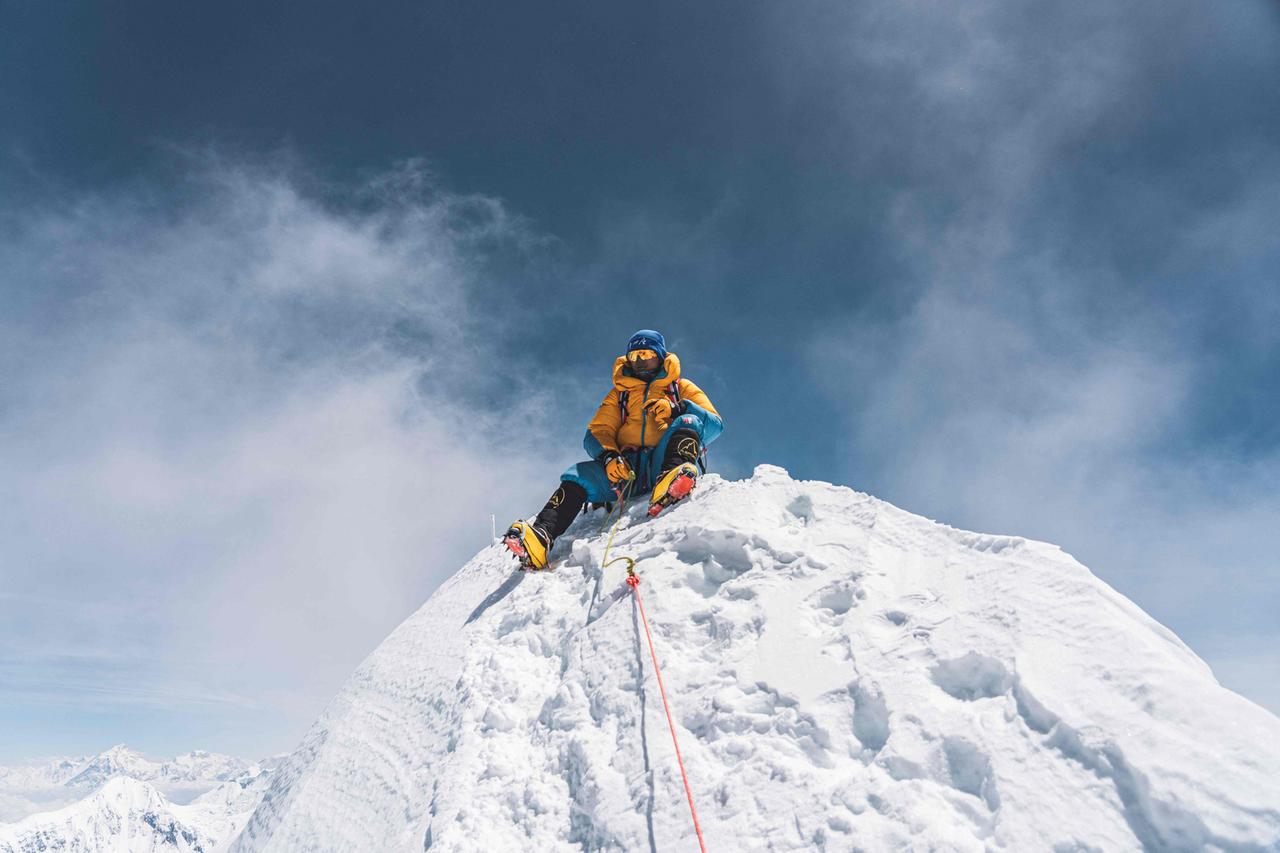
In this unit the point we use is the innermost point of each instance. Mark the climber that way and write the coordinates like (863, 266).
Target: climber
(649, 433)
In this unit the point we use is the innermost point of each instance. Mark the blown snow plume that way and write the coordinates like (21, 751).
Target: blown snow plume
(843, 675)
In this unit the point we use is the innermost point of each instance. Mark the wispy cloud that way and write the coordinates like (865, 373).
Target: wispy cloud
(1053, 365)
(248, 423)
(14, 806)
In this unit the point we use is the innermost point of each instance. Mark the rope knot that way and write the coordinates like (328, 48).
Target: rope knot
(633, 581)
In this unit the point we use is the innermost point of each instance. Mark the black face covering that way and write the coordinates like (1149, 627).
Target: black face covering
(640, 373)
(645, 374)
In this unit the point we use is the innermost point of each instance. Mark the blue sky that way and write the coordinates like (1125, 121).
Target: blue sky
(292, 299)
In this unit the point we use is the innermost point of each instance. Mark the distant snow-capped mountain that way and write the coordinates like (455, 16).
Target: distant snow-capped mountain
(124, 815)
(124, 802)
(127, 815)
(43, 774)
(196, 768)
(191, 768)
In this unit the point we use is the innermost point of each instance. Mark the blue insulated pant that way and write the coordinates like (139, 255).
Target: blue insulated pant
(646, 462)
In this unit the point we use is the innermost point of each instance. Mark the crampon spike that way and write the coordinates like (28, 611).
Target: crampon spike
(515, 547)
(681, 487)
(677, 491)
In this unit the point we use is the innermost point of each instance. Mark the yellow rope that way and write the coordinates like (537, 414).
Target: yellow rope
(605, 562)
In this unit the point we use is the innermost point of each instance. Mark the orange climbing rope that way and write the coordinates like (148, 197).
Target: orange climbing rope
(634, 582)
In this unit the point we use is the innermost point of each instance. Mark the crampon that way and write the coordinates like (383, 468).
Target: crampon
(675, 486)
(512, 541)
(523, 540)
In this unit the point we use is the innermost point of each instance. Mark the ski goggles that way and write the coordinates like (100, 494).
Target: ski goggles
(641, 355)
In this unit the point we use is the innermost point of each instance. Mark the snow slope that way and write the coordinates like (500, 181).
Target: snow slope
(845, 675)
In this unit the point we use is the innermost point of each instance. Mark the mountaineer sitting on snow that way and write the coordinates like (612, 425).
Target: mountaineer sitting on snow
(649, 432)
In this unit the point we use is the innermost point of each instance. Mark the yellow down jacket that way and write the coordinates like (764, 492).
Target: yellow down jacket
(638, 428)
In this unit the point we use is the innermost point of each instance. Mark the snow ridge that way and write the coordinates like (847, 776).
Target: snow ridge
(197, 768)
(845, 675)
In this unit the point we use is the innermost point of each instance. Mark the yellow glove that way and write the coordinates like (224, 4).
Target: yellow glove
(616, 467)
(661, 409)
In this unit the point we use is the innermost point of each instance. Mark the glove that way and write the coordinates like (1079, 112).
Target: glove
(662, 410)
(616, 467)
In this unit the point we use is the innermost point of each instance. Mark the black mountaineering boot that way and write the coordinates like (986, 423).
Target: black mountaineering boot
(532, 543)
(562, 508)
(679, 471)
(683, 446)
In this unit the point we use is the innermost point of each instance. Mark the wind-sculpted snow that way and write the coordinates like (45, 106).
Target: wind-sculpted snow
(844, 675)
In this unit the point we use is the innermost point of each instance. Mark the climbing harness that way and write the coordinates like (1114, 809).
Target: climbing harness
(633, 581)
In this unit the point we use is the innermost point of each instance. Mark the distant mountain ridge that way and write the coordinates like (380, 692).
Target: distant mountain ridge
(90, 772)
(126, 815)
(118, 801)
(192, 767)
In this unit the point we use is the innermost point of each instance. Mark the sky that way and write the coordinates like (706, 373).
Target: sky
(294, 298)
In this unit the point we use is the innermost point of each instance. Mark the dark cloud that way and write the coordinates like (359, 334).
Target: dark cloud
(1084, 194)
(1014, 262)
